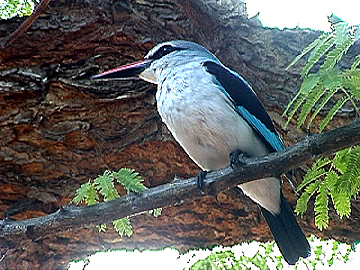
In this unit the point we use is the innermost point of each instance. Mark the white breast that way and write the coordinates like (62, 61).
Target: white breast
(203, 120)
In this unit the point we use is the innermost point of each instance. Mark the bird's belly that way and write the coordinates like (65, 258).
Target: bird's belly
(210, 138)
(210, 131)
(205, 123)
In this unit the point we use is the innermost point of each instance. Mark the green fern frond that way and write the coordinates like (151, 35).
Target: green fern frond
(356, 62)
(318, 88)
(302, 202)
(321, 105)
(332, 112)
(123, 227)
(316, 171)
(86, 193)
(350, 180)
(321, 207)
(352, 82)
(313, 45)
(219, 260)
(105, 185)
(309, 104)
(328, 82)
(130, 180)
(324, 101)
(334, 55)
(340, 160)
(338, 177)
(331, 79)
(317, 53)
(299, 101)
(341, 32)
(341, 203)
(308, 84)
(340, 199)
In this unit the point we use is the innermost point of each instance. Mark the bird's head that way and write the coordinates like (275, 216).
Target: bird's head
(166, 55)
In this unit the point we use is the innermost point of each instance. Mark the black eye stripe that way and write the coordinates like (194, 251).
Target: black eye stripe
(164, 50)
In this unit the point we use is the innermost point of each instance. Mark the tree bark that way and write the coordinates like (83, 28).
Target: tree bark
(182, 190)
(58, 128)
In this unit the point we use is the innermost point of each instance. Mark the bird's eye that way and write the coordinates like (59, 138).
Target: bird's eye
(162, 51)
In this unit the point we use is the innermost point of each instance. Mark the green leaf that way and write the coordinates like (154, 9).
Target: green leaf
(321, 208)
(340, 199)
(333, 19)
(123, 227)
(334, 56)
(352, 82)
(12, 8)
(308, 84)
(350, 180)
(301, 204)
(331, 179)
(314, 173)
(341, 203)
(341, 32)
(340, 160)
(269, 248)
(317, 53)
(356, 62)
(86, 193)
(218, 260)
(104, 183)
(332, 112)
(323, 86)
(335, 251)
(309, 104)
(311, 46)
(130, 180)
(331, 81)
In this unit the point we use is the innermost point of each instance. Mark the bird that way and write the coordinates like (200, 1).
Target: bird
(212, 112)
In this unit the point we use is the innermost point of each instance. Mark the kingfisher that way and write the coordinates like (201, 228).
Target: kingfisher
(213, 113)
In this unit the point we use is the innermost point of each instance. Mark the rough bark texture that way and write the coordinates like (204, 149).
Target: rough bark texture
(58, 129)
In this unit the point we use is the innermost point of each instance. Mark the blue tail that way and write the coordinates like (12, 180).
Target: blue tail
(287, 233)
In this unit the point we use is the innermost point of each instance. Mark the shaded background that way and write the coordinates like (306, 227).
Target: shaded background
(58, 129)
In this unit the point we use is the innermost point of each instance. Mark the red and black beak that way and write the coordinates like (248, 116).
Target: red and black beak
(125, 71)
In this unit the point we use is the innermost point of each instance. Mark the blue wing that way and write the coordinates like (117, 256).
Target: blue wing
(247, 103)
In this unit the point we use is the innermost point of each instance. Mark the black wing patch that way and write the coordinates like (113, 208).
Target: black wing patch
(247, 103)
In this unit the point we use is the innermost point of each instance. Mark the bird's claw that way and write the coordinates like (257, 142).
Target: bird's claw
(200, 179)
(238, 157)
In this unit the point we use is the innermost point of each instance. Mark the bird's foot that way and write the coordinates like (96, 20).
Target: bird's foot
(200, 179)
(238, 157)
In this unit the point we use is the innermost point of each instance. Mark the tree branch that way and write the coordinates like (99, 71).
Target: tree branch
(178, 191)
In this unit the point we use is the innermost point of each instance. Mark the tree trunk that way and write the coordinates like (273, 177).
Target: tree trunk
(58, 128)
